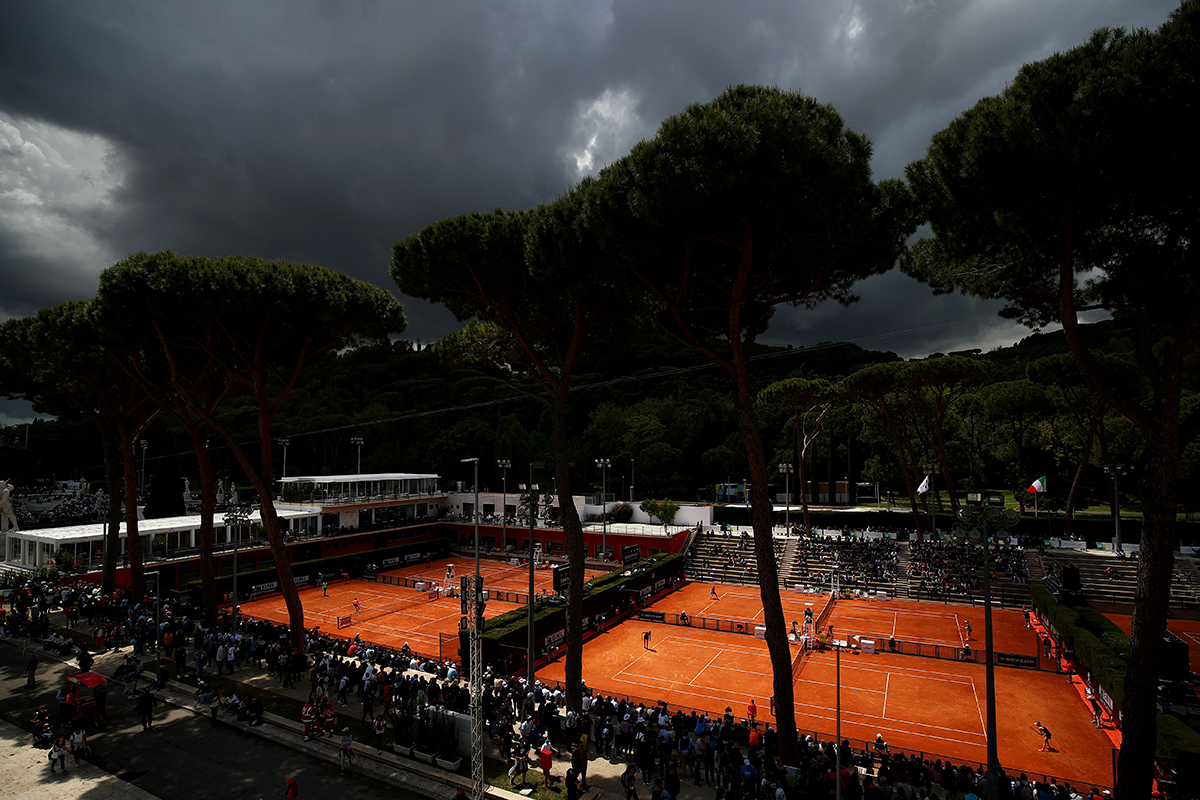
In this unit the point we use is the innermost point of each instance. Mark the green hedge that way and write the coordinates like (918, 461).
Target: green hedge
(1176, 739)
(498, 627)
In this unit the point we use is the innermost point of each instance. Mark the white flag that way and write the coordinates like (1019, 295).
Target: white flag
(924, 487)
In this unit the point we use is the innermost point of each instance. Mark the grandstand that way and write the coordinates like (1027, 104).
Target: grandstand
(1108, 579)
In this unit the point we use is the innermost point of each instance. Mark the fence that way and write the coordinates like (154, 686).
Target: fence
(924, 649)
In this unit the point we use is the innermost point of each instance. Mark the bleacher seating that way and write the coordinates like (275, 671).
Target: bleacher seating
(1109, 579)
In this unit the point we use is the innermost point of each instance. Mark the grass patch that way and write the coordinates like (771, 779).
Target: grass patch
(495, 773)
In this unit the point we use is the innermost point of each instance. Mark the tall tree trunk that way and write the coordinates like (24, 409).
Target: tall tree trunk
(1156, 560)
(573, 534)
(1077, 482)
(112, 531)
(764, 551)
(208, 509)
(133, 540)
(270, 521)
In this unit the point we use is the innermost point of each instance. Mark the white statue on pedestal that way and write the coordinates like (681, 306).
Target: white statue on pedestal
(8, 517)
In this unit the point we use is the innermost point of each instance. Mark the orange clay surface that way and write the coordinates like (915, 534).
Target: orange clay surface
(934, 706)
(1186, 629)
(929, 623)
(411, 616)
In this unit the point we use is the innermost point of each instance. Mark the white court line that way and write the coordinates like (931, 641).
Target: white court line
(975, 691)
(872, 719)
(944, 677)
(886, 687)
(680, 640)
(855, 688)
(917, 729)
(692, 682)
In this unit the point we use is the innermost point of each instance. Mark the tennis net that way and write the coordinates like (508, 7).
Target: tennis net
(825, 612)
(366, 615)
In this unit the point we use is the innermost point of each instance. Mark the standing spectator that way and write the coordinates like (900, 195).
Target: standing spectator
(579, 763)
(58, 752)
(546, 756)
(292, 790)
(145, 709)
(346, 750)
(379, 725)
(329, 718)
(1097, 711)
(31, 665)
(214, 705)
(78, 744)
(629, 782)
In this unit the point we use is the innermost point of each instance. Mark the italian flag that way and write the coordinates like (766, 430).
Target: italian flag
(1038, 486)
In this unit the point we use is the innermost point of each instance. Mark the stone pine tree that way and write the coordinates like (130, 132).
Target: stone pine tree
(54, 360)
(887, 402)
(206, 385)
(261, 322)
(757, 199)
(531, 278)
(808, 401)
(1075, 190)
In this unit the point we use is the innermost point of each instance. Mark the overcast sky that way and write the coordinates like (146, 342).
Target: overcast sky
(325, 131)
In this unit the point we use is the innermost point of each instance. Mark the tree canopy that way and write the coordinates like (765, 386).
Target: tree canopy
(1074, 190)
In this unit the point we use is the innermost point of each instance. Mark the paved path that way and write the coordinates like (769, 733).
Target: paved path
(181, 757)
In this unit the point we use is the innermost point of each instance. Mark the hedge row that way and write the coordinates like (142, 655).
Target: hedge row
(510, 621)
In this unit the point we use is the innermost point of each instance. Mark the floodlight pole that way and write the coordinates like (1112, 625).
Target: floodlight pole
(358, 442)
(476, 657)
(786, 469)
(504, 464)
(975, 528)
(145, 444)
(838, 744)
(603, 464)
(284, 444)
(1116, 471)
(234, 517)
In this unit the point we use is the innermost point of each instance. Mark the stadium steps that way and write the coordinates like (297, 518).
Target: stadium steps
(903, 562)
(1033, 562)
(787, 562)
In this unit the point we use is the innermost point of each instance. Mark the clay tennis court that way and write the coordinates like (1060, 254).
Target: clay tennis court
(930, 705)
(392, 615)
(928, 623)
(1186, 629)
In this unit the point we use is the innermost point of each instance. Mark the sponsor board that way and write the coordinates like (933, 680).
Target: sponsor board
(631, 554)
(263, 588)
(301, 580)
(1017, 660)
(391, 562)
(555, 639)
(660, 584)
(652, 616)
(411, 557)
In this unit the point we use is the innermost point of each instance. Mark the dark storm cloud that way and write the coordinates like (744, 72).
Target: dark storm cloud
(323, 132)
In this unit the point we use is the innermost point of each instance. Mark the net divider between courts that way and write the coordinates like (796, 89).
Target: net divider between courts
(499, 595)
(389, 608)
